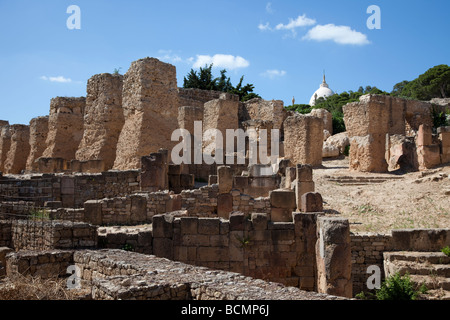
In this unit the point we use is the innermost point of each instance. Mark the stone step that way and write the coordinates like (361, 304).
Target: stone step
(432, 282)
(420, 257)
(424, 269)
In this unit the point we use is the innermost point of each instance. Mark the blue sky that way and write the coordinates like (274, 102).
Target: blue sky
(282, 47)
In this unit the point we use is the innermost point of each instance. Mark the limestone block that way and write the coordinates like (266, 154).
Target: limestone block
(340, 141)
(93, 212)
(424, 135)
(333, 257)
(282, 198)
(209, 226)
(237, 221)
(154, 170)
(329, 151)
(304, 172)
(259, 221)
(428, 156)
(225, 179)
(280, 215)
(260, 109)
(367, 154)
(224, 205)
(303, 139)
(300, 189)
(311, 202)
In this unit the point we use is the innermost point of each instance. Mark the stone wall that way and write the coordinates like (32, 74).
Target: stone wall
(150, 103)
(103, 120)
(19, 149)
(5, 233)
(282, 252)
(38, 138)
(47, 234)
(65, 127)
(137, 239)
(142, 277)
(44, 264)
(71, 190)
(268, 110)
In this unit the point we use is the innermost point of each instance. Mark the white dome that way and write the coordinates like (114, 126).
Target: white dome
(323, 92)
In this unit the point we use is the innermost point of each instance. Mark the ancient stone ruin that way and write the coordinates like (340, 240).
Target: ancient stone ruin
(94, 186)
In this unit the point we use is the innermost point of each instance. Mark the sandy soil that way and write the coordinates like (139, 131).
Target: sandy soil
(415, 200)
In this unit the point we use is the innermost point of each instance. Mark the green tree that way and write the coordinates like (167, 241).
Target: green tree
(434, 83)
(204, 79)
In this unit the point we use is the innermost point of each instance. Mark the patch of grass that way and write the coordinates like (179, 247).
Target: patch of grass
(39, 214)
(128, 247)
(397, 287)
(446, 251)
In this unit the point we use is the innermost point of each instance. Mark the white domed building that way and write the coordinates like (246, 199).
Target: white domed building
(323, 92)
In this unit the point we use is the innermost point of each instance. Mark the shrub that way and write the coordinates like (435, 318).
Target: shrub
(398, 287)
(446, 251)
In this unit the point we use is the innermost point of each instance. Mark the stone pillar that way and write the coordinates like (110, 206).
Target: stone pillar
(326, 117)
(220, 114)
(282, 202)
(257, 126)
(444, 137)
(38, 137)
(367, 123)
(150, 103)
(303, 184)
(5, 144)
(154, 172)
(19, 150)
(103, 120)
(303, 139)
(428, 154)
(311, 202)
(267, 110)
(65, 127)
(334, 257)
(187, 115)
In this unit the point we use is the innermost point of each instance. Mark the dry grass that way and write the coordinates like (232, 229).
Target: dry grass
(19, 287)
(417, 200)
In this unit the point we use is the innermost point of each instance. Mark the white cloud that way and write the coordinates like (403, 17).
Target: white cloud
(273, 73)
(221, 61)
(338, 34)
(269, 8)
(60, 79)
(264, 27)
(168, 56)
(301, 21)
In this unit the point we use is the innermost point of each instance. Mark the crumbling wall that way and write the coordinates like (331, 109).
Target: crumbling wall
(20, 148)
(5, 144)
(150, 103)
(325, 115)
(38, 137)
(276, 251)
(103, 120)
(65, 127)
(260, 109)
(196, 97)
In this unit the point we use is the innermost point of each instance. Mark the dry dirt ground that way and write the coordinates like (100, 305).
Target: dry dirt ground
(412, 200)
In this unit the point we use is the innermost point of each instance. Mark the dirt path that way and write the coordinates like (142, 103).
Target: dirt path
(413, 200)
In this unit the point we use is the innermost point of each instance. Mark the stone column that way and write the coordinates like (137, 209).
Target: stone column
(103, 120)
(303, 139)
(334, 257)
(304, 183)
(154, 171)
(150, 103)
(5, 144)
(20, 148)
(38, 137)
(65, 127)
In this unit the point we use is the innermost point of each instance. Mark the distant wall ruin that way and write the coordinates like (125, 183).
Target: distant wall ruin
(19, 149)
(38, 138)
(103, 120)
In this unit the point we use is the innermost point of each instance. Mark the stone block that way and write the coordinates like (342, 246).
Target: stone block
(237, 220)
(240, 182)
(428, 156)
(162, 226)
(367, 153)
(224, 205)
(304, 173)
(163, 247)
(209, 226)
(212, 179)
(300, 189)
(280, 215)
(225, 179)
(282, 198)
(424, 135)
(93, 212)
(189, 225)
(212, 254)
(259, 221)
